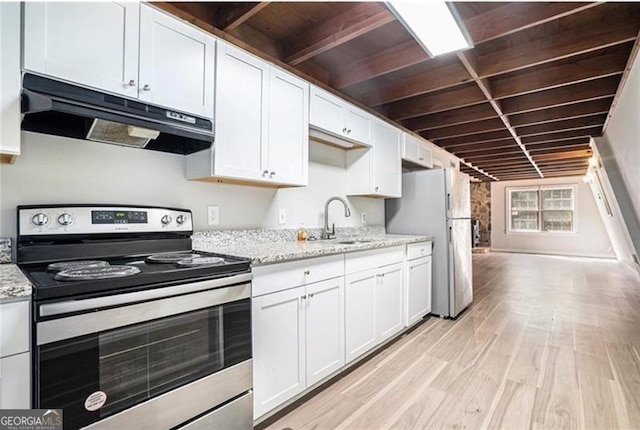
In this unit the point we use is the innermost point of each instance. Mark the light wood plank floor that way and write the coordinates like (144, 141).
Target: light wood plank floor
(550, 342)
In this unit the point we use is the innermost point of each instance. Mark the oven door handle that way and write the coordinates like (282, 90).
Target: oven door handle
(106, 319)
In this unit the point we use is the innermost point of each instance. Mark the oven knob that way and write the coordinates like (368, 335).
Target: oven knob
(181, 219)
(166, 220)
(65, 219)
(40, 219)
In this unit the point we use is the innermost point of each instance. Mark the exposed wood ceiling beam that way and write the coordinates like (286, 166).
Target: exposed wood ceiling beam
(451, 117)
(470, 65)
(575, 110)
(566, 155)
(475, 171)
(584, 91)
(564, 125)
(563, 135)
(517, 16)
(607, 62)
(475, 138)
(580, 172)
(233, 15)
(464, 95)
(571, 35)
(440, 73)
(361, 19)
(557, 149)
(513, 152)
(493, 144)
(397, 57)
(465, 129)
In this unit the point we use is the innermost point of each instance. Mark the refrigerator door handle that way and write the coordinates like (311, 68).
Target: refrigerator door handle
(449, 205)
(450, 233)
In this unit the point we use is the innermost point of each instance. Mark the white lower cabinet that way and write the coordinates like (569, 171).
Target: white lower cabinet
(15, 372)
(418, 297)
(389, 319)
(418, 289)
(298, 339)
(360, 321)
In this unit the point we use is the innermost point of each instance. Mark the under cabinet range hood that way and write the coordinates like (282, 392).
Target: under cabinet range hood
(62, 109)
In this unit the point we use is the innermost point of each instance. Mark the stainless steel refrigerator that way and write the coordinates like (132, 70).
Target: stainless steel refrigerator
(438, 203)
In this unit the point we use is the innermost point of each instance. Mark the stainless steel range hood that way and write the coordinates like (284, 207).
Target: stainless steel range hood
(62, 109)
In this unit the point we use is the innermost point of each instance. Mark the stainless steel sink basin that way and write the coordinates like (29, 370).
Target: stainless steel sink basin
(354, 241)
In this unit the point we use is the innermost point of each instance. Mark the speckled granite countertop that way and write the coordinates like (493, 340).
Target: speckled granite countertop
(261, 252)
(13, 283)
(5, 250)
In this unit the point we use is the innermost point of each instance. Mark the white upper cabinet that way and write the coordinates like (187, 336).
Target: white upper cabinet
(176, 64)
(339, 118)
(261, 124)
(288, 128)
(9, 81)
(377, 171)
(129, 49)
(416, 151)
(241, 85)
(93, 44)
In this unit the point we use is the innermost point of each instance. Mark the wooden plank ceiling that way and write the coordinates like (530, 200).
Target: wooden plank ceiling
(522, 103)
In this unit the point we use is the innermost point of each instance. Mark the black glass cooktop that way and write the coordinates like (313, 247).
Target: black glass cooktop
(150, 275)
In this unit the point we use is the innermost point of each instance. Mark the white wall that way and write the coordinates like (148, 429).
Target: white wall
(619, 150)
(590, 240)
(60, 170)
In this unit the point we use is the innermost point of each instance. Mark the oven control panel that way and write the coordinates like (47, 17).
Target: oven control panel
(49, 219)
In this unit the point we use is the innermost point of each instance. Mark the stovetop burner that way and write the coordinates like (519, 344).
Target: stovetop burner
(80, 264)
(170, 257)
(200, 261)
(96, 273)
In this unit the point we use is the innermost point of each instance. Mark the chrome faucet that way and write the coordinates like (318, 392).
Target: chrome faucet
(326, 234)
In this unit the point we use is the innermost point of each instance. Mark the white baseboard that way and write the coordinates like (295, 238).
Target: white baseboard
(564, 254)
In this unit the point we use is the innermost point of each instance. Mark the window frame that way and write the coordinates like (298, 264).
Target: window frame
(539, 190)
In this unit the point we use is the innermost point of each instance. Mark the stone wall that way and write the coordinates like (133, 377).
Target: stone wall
(481, 209)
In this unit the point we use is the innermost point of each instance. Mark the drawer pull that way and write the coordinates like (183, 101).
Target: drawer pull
(304, 297)
(310, 295)
(307, 272)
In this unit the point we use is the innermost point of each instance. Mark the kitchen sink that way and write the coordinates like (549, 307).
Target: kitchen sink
(354, 241)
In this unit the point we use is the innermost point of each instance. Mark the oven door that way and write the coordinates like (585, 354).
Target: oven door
(141, 360)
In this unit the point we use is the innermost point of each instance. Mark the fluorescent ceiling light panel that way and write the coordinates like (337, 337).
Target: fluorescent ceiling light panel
(432, 24)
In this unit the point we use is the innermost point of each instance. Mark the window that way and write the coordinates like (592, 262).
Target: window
(541, 209)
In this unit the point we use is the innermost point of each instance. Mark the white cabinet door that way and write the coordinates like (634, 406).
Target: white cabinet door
(15, 325)
(10, 78)
(387, 164)
(410, 148)
(89, 43)
(358, 124)
(418, 289)
(278, 348)
(326, 112)
(360, 319)
(325, 329)
(389, 306)
(15, 377)
(241, 108)
(176, 64)
(288, 137)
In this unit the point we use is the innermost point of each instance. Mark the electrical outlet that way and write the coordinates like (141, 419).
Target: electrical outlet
(213, 215)
(364, 218)
(282, 216)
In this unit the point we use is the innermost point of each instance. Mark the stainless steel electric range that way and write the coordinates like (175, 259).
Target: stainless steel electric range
(133, 329)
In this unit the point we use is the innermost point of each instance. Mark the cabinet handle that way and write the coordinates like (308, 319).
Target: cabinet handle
(421, 159)
(421, 249)
(132, 83)
(310, 295)
(344, 130)
(265, 173)
(349, 131)
(307, 272)
(272, 174)
(146, 88)
(304, 297)
(377, 188)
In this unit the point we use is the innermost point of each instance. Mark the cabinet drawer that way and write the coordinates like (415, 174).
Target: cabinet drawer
(281, 276)
(14, 328)
(365, 260)
(417, 250)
